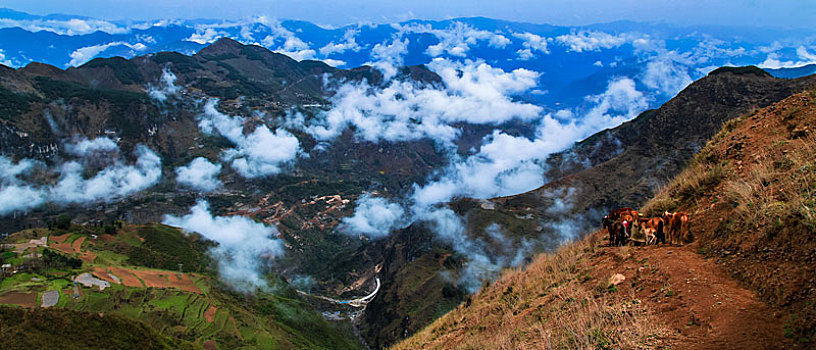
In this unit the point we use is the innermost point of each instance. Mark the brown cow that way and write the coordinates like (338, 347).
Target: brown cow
(616, 214)
(628, 218)
(678, 229)
(654, 229)
(617, 234)
(607, 224)
(608, 220)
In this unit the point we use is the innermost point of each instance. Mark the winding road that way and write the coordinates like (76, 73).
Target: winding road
(358, 302)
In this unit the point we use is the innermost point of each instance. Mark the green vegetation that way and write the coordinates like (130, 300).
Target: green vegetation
(14, 104)
(57, 328)
(162, 318)
(124, 70)
(56, 260)
(181, 63)
(165, 247)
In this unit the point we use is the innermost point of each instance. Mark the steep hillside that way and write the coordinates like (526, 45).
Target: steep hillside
(746, 282)
(752, 190)
(34, 329)
(623, 166)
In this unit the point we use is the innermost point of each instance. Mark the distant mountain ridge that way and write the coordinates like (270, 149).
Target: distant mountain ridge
(263, 83)
(576, 61)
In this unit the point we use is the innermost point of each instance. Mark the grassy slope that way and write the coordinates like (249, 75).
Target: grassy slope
(751, 194)
(753, 189)
(67, 329)
(276, 319)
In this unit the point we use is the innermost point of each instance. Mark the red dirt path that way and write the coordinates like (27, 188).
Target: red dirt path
(706, 307)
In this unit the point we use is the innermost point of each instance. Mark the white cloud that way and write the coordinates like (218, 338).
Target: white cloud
(349, 43)
(804, 54)
(85, 147)
(14, 195)
(167, 86)
(486, 257)
(374, 217)
(333, 62)
(85, 54)
(19, 198)
(388, 58)
(666, 76)
(508, 164)
(9, 170)
(113, 182)
(73, 26)
(590, 41)
(206, 35)
(774, 59)
(531, 42)
(260, 153)
(474, 92)
(244, 248)
(4, 61)
(292, 46)
(200, 174)
(525, 54)
(456, 39)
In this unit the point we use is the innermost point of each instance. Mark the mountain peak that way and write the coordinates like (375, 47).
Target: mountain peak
(222, 46)
(745, 70)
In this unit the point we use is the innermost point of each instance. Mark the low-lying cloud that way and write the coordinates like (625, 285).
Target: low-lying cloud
(582, 41)
(374, 217)
(115, 181)
(245, 247)
(166, 87)
(84, 147)
(507, 164)
(260, 153)
(85, 54)
(475, 93)
(200, 174)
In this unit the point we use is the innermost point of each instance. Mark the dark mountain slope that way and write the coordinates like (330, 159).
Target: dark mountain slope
(623, 166)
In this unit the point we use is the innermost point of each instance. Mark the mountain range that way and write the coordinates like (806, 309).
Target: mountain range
(453, 150)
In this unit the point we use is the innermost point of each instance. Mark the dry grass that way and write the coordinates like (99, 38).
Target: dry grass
(776, 187)
(776, 183)
(686, 188)
(755, 180)
(549, 305)
(753, 190)
(802, 195)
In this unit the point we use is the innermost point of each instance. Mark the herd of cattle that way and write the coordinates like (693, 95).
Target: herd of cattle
(626, 225)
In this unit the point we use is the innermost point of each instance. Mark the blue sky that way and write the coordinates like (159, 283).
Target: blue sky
(763, 13)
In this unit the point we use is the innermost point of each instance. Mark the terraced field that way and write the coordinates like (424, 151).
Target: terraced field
(190, 306)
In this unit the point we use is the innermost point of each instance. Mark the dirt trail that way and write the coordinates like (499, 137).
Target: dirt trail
(694, 297)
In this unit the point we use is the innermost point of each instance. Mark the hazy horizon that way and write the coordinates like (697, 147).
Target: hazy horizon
(747, 13)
